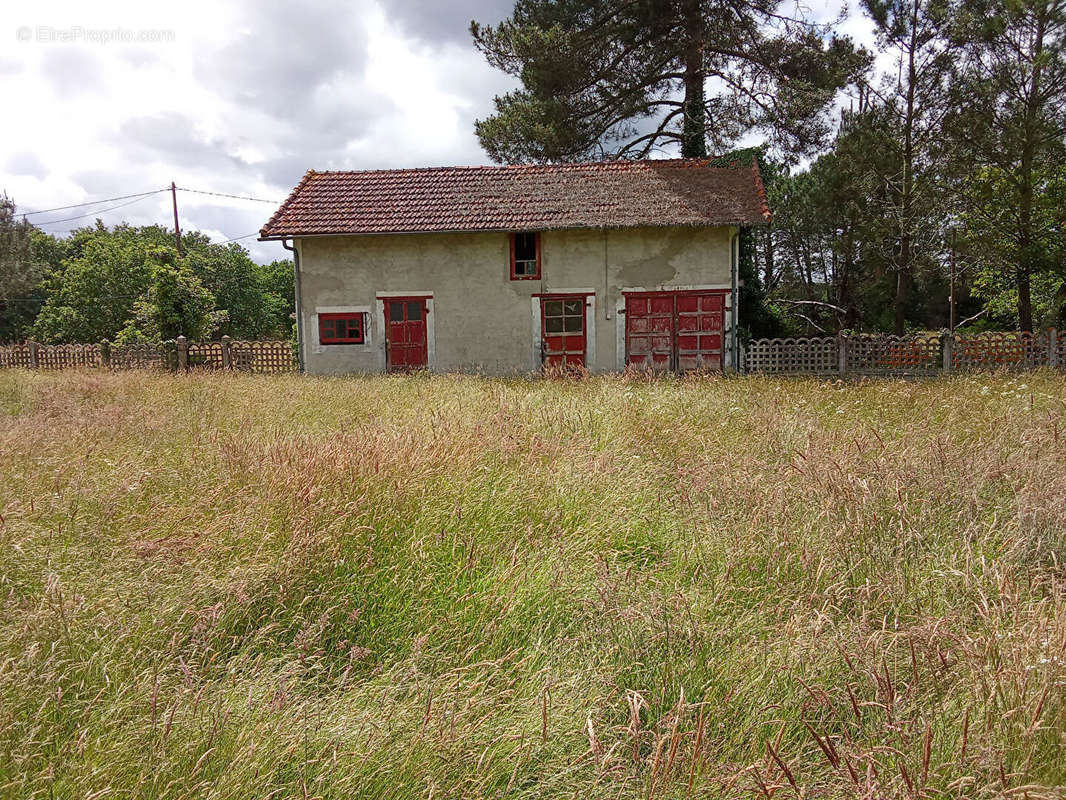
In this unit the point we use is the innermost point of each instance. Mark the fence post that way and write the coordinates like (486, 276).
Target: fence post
(227, 353)
(105, 353)
(947, 346)
(842, 352)
(182, 345)
(1053, 347)
(33, 353)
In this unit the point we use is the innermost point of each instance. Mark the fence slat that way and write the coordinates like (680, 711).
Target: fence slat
(924, 354)
(267, 357)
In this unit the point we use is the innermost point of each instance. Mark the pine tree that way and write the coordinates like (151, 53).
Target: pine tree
(1011, 119)
(625, 78)
(909, 109)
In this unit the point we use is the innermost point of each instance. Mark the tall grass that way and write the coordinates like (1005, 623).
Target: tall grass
(229, 587)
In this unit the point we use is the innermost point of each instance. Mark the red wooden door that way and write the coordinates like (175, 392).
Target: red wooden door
(406, 345)
(675, 330)
(562, 325)
(699, 331)
(650, 330)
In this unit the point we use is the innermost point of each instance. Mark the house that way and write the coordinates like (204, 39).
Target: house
(507, 269)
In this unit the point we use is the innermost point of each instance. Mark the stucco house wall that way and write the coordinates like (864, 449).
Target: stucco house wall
(481, 320)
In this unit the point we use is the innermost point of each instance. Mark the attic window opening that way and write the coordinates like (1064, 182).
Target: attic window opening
(341, 328)
(525, 256)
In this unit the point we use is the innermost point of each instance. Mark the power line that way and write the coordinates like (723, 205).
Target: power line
(91, 203)
(237, 238)
(99, 210)
(233, 196)
(142, 194)
(136, 198)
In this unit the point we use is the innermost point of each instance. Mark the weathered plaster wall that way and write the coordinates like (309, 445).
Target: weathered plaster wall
(481, 319)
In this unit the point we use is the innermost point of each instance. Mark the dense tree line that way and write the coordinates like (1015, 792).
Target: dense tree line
(936, 198)
(128, 284)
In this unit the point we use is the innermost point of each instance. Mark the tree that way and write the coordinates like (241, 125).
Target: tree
(91, 296)
(175, 303)
(828, 230)
(622, 78)
(836, 248)
(756, 248)
(247, 308)
(1011, 119)
(990, 221)
(910, 118)
(276, 279)
(20, 274)
(93, 291)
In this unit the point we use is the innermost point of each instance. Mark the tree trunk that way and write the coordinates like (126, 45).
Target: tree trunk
(1025, 199)
(843, 298)
(906, 255)
(1024, 269)
(1025, 302)
(770, 270)
(903, 286)
(694, 128)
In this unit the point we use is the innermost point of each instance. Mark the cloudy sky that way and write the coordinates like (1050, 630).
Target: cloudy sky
(107, 99)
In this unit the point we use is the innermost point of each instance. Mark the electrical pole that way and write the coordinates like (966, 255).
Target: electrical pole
(177, 230)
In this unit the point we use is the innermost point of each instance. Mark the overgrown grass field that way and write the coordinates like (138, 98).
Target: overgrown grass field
(227, 586)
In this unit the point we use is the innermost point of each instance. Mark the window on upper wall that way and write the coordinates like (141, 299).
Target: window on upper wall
(525, 256)
(341, 328)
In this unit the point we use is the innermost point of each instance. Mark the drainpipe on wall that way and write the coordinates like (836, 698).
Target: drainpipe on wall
(734, 299)
(299, 312)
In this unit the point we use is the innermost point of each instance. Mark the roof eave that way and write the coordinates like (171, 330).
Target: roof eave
(273, 237)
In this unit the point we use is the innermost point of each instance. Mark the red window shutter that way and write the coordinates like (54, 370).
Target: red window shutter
(346, 328)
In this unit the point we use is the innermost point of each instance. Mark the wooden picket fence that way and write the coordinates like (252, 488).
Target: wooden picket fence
(269, 357)
(926, 354)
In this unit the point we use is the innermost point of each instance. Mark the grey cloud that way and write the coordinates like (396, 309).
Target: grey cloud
(445, 20)
(286, 53)
(72, 69)
(286, 171)
(106, 183)
(303, 68)
(26, 163)
(172, 137)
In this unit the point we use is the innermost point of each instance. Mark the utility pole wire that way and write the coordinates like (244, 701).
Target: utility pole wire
(233, 196)
(236, 238)
(99, 210)
(91, 203)
(173, 189)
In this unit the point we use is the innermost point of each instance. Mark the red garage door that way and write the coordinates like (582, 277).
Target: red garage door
(675, 330)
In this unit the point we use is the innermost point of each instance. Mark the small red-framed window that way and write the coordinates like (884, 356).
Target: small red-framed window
(348, 328)
(525, 256)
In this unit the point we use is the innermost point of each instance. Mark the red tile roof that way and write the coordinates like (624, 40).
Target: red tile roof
(607, 194)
